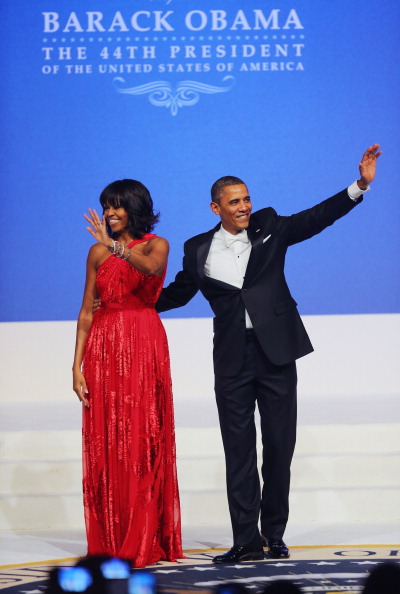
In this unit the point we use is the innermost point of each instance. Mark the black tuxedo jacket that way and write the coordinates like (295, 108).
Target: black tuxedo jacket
(265, 294)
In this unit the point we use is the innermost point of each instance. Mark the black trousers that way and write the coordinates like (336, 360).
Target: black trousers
(274, 389)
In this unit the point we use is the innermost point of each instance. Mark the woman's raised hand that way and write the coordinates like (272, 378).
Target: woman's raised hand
(98, 227)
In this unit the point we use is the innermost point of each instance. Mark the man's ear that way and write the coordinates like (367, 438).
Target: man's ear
(215, 208)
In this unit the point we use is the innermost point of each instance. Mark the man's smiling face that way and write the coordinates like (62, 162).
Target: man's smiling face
(234, 208)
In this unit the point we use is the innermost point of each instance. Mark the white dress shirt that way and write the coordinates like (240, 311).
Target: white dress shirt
(229, 254)
(227, 259)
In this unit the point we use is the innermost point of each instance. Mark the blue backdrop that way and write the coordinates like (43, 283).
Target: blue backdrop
(177, 93)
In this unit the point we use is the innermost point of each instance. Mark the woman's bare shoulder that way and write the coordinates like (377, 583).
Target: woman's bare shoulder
(159, 242)
(97, 252)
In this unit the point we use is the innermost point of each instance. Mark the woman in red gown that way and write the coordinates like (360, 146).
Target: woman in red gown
(121, 373)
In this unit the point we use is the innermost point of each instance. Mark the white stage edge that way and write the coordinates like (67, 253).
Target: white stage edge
(355, 355)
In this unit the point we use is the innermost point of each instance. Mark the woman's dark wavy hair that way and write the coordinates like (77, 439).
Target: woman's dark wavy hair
(135, 198)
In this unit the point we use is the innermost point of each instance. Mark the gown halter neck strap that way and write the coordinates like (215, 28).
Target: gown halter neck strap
(144, 238)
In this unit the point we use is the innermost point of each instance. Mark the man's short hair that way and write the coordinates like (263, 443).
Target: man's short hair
(221, 183)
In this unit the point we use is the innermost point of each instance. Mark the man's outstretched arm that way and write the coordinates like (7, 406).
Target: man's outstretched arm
(310, 222)
(178, 293)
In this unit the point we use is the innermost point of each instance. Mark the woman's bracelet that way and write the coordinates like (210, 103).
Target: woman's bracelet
(128, 253)
(118, 249)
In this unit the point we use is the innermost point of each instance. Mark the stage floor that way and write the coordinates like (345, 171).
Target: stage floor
(33, 547)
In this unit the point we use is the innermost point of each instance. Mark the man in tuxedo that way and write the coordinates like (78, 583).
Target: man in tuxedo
(239, 268)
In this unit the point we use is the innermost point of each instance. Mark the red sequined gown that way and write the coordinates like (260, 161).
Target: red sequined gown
(130, 488)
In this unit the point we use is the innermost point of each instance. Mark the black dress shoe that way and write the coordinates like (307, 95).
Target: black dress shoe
(238, 553)
(276, 548)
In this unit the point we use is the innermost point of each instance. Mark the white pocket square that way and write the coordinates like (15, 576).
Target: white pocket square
(266, 238)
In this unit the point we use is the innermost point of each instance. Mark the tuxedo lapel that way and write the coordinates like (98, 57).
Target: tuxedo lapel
(202, 251)
(258, 237)
(255, 234)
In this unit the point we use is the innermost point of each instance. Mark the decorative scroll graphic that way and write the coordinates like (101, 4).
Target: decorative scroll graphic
(186, 93)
